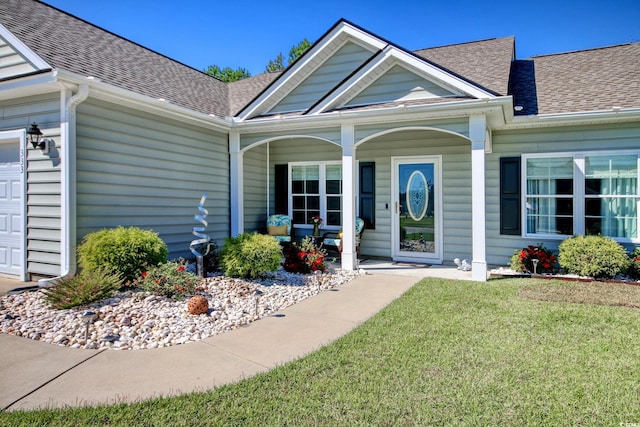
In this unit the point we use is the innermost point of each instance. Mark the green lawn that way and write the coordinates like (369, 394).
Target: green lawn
(446, 353)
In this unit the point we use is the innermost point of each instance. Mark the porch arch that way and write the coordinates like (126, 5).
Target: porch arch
(409, 128)
(255, 191)
(285, 137)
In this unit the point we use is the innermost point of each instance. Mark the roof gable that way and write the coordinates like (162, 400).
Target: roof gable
(326, 59)
(396, 75)
(398, 84)
(337, 67)
(16, 58)
(349, 66)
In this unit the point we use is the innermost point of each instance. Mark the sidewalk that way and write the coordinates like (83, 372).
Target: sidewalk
(35, 375)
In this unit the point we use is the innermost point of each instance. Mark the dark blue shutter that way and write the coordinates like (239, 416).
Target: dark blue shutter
(510, 203)
(281, 184)
(367, 194)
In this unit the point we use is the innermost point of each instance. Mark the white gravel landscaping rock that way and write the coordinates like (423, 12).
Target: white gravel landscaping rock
(132, 320)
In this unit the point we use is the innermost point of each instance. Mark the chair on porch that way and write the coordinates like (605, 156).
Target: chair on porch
(332, 240)
(279, 226)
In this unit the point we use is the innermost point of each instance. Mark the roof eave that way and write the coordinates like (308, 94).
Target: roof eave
(495, 108)
(158, 106)
(612, 115)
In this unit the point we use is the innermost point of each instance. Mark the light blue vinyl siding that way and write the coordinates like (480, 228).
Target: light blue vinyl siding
(398, 84)
(342, 63)
(11, 62)
(255, 189)
(456, 187)
(134, 169)
(586, 138)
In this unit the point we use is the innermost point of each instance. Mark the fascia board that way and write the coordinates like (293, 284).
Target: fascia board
(33, 84)
(107, 92)
(28, 54)
(354, 34)
(614, 115)
(493, 108)
(391, 56)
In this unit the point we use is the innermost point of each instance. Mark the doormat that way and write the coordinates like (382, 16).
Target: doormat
(408, 264)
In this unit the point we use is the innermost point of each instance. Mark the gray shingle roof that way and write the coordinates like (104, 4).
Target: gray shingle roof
(587, 80)
(486, 63)
(244, 91)
(72, 44)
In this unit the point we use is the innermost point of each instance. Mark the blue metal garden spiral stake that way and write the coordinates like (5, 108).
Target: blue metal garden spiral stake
(203, 238)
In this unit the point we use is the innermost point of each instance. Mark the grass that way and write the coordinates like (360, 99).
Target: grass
(446, 353)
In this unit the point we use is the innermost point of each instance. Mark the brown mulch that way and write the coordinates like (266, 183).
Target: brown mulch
(613, 294)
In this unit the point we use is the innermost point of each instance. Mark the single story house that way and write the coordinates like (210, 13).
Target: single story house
(459, 151)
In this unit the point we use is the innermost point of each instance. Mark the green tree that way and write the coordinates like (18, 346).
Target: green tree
(298, 50)
(295, 52)
(276, 64)
(227, 74)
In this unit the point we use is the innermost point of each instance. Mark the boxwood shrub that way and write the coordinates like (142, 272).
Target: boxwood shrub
(593, 256)
(126, 251)
(250, 255)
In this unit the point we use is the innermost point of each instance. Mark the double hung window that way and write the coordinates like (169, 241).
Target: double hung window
(580, 193)
(316, 190)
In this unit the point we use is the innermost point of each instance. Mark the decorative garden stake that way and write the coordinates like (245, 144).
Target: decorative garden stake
(257, 294)
(535, 265)
(88, 317)
(203, 238)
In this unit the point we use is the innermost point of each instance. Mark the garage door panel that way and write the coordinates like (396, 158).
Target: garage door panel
(11, 220)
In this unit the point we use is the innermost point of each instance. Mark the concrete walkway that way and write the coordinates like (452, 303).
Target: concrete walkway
(36, 375)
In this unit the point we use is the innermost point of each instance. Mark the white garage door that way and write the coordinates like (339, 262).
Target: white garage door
(11, 221)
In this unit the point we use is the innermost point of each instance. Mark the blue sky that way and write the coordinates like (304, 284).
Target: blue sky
(250, 33)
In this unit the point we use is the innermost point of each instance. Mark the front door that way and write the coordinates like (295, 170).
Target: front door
(417, 209)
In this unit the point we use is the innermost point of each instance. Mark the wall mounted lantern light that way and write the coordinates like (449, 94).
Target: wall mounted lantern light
(35, 138)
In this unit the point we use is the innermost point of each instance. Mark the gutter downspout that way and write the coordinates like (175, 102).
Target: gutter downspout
(68, 183)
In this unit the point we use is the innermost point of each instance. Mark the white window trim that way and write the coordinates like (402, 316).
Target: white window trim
(578, 191)
(323, 192)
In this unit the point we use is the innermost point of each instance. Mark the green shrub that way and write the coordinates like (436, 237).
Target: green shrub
(127, 251)
(250, 255)
(593, 256)
(82, 289)
(304, 257)
(634, 264)
(522, 260)
(169, 279)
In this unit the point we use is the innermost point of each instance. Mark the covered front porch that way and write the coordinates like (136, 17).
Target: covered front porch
(419, 186)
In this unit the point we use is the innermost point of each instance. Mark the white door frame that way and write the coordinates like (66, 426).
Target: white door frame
(19, 137)
(396, 253)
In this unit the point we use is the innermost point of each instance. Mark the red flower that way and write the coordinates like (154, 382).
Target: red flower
(181, 268)
(144, 274)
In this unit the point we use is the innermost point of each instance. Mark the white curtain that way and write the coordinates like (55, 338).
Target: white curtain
(618, 176)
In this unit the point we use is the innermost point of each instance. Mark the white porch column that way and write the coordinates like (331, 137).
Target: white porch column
(237, 184)
(348, 197)
(478, 136)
